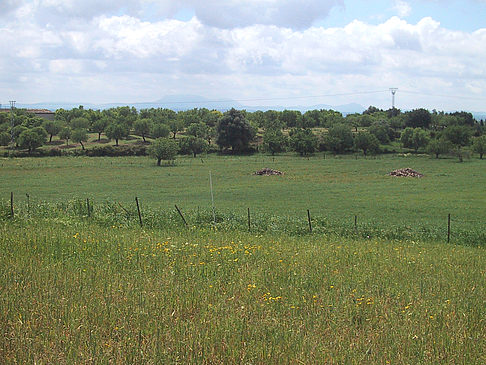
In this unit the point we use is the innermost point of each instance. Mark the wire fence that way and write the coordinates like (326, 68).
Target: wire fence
(111, 213)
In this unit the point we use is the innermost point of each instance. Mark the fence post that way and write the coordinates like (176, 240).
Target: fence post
(139, 214)
(180, 213)
(249, 220)
(356, 223)
(28, 204)
(449, 228)
(11, 205)
(88, 208)
(309, 219)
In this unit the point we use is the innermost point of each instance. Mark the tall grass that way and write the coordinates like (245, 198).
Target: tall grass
(111, 213)
(76, 291)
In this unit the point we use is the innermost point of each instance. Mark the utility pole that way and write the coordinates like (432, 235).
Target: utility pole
(393, 92)
(12, 106)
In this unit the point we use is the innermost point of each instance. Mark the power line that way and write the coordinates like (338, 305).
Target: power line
(442, 95)
(278, 98)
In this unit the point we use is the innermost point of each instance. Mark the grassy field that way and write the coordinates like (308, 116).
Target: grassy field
(334, 188)
(77, 292)
(96, 288)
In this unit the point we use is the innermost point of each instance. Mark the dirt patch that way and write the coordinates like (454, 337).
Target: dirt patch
(267, 172)
(407, 172)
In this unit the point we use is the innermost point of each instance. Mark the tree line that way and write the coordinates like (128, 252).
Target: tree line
(238, 131)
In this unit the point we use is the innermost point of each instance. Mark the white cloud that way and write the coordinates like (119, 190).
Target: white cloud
(402, 8)
(123, 57)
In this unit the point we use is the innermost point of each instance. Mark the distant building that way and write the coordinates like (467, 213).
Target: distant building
(43, 113)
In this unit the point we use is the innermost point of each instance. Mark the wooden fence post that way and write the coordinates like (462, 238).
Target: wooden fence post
(88, 208)
(28, 203)
(139, 213)
(449, 228)
(11, 204)
(180, 213)
(249, 220)
(309, 219)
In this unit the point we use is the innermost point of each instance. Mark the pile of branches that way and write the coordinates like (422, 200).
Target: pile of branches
(267, 172)
(407, 172)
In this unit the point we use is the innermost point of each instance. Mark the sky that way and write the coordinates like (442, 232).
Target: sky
(258, 52)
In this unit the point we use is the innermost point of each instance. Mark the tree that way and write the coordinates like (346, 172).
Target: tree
(99, 126)
(234, 131)
(479, 146)
(79, 136)
(366, 142)
(193, 145)
(459, 136)
(142, 127)
(176, 125)
(65, 134)
(16, 132)
(32, 138)
(382, 131)
(274, 141)
(303, 141)
(159, 130)
(4, 139)
(414, 138)
(418, 118)
(163, 149)
(117, 131)
(52, 128)
(199, 130)
(438, 147)
(79, 123)
(339, 138)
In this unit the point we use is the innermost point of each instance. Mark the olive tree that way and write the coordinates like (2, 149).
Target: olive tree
(163, 149)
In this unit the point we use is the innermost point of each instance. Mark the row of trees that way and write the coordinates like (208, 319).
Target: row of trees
(438, 132)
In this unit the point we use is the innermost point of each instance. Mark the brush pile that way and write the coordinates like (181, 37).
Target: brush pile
(267, 172)
(407, 172)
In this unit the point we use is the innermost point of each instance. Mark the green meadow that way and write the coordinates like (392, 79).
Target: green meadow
(337, 188)
(83, 285)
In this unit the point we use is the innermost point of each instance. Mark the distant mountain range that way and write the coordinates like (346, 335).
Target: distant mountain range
(185, 102)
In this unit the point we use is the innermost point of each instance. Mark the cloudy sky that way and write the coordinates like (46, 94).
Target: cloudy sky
(260, 52)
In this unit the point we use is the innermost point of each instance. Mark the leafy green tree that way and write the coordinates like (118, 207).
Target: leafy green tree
(274, 141)
(99, 126)
(459, 136)
(16, 132)
(438, 147)
(33, 138)
(79, 123)
(234, 131)
(418, 118)
(272, 120)
(303, 141)
(159, 130)
(142, 127)
(199, 130)
(65, 134)
(382, 131)
(479, 146)
(193, 145)
(163, 149)
(290, 118)
(117, 131)
(176, 125)
(366, 142)
(4, 138)
(414, 138)
(79, 136)
(52, 128)
(339, 138)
